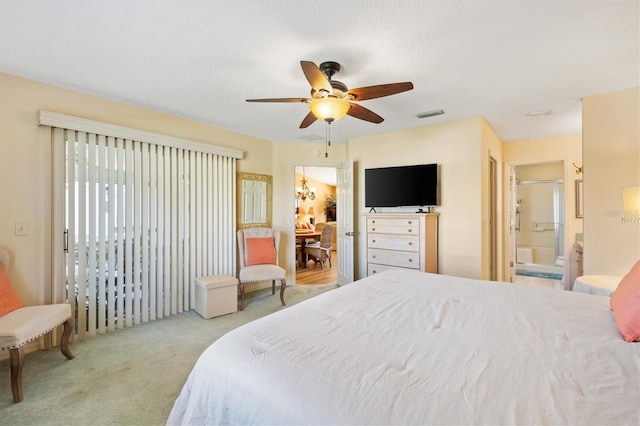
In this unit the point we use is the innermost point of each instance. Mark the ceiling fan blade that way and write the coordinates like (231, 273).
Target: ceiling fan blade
(372, 92)
(308, 120)
(315, 77)
(280, 100)
(358, 111)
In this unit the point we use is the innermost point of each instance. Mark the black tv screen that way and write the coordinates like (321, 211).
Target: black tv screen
(401, 186)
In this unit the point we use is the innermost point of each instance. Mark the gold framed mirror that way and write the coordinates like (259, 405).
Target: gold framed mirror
(255, 193)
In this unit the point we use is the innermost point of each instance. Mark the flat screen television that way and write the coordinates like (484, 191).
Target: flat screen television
(402, 186)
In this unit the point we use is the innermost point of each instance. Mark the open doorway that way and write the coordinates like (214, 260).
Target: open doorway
(316, 207)
(539, 224)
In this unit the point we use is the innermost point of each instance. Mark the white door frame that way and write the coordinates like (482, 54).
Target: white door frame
(510, 224)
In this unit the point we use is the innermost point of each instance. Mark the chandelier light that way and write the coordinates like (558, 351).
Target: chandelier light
(303, 191)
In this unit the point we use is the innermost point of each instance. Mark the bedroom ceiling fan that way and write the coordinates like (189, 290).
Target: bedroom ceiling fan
(331, 99)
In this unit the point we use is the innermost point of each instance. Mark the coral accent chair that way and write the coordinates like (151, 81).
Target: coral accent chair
(321, 250)
(24, 324)
(258, 253)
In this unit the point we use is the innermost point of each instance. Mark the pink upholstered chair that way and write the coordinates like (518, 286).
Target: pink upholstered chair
(258, 254)
(22, 325)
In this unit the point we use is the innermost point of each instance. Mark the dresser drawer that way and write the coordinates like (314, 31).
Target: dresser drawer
(393, 242)
(374, 268)
(393, 226)
(403, 259)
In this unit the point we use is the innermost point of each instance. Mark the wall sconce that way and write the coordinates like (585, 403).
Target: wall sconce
(578, 169)
(631, 204)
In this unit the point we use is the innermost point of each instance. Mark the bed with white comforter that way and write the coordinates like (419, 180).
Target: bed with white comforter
(405, 347)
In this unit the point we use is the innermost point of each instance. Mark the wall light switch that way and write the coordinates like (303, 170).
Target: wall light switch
(22, 229)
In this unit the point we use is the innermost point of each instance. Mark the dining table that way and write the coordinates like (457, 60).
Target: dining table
(302, 236)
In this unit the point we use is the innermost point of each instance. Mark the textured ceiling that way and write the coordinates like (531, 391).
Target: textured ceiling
(200, 60)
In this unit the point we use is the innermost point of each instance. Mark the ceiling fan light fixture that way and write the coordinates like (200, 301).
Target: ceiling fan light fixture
(329, 108)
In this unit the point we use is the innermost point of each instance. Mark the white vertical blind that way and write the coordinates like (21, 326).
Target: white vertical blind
(142, 221)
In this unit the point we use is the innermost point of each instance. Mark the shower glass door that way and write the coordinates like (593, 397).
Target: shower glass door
(539, 222)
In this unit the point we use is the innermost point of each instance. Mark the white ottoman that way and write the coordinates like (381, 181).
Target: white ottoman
(602, 285)
(216, 295)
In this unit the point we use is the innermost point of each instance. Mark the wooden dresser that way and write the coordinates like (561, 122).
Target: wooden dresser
(403, 240)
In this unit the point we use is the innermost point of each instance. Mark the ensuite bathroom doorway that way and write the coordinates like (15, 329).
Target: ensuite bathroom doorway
(539, 224)
(315, 207)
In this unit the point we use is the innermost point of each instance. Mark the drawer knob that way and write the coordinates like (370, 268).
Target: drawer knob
(373, 257)
(373, 229)
(410, 243)
(409, 230)
(373, 241)
(410, 222)
(410, 260)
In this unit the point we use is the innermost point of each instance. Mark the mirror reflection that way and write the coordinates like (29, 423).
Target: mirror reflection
(254, 200)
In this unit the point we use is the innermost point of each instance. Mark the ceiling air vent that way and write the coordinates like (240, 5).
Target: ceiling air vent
(430, 113)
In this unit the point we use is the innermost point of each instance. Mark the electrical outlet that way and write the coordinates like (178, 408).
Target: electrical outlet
(22, 229)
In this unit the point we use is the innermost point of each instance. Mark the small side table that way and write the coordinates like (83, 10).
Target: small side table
(601, 285)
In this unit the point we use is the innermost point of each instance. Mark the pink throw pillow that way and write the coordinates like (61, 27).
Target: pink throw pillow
(9, 299)
(261, 251)
(625, 304)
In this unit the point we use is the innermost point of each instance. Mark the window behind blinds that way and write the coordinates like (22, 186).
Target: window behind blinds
(135, 221)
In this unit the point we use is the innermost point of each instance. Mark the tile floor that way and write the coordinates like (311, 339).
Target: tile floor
(539, 282)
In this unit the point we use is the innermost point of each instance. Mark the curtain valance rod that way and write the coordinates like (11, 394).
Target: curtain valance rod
(55, 119)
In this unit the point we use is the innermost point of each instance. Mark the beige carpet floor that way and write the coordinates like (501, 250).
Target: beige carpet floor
(128, 377)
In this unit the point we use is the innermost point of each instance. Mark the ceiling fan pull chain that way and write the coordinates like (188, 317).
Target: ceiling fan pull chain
(326, 139)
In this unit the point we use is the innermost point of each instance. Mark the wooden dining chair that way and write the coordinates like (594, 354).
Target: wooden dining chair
(320, 251)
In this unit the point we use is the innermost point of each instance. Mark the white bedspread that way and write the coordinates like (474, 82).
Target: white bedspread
(405, 347)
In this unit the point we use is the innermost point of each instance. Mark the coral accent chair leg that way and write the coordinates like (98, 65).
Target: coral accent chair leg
(283, 285)
(64, 340)
(16, 357)
(273, 287)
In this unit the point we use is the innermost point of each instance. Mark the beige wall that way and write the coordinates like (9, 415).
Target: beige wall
(456, 146)
(611, 153)
(25, 159)
(461, 147)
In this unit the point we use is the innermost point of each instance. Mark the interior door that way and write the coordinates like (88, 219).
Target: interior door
(345, 234)
(493, 219)
(514, 225)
